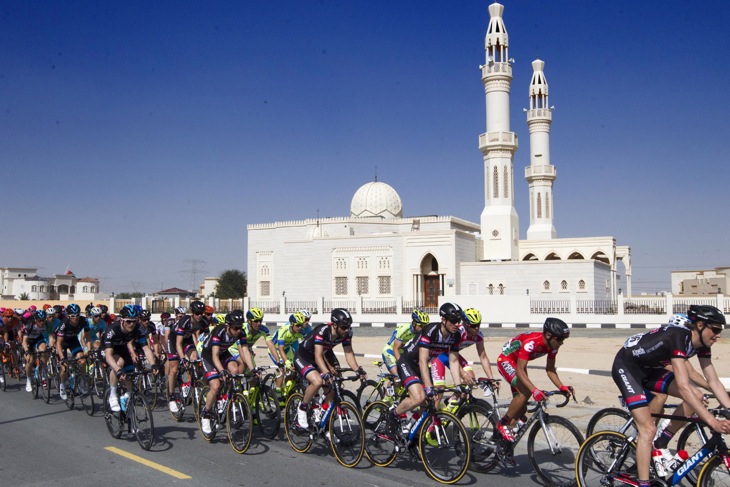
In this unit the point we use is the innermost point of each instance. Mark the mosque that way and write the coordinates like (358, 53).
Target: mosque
(378, 254)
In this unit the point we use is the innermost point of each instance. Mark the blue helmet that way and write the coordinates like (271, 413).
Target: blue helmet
(73, 309)
(40, 314)
(129, 312)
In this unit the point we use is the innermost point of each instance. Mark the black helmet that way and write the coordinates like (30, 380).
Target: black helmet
(57, 308)
(236, 318)
(705, 313)
(104, 308)
(556, 327)
(452, 312)
(88, 308)
(341, 317)
(129, 312)
(197, 307)
(145, 314)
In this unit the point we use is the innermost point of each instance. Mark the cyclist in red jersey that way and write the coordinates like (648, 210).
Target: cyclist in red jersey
(512, 364)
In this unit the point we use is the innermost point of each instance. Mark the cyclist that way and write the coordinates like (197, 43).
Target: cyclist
(34, 340)
(316, 362)
(218, 361)
(254, 330)
(413, 365)
(181, 343)
(97, 326)
(117, 353)
(73, 326)
(640, 364)
(512, 364)
(52, 324)
(470, 335)
(11, 323)
(284, 338)
(394, 347)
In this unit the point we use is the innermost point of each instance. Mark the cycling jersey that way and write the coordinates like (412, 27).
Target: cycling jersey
(221, 338)
(96, 329)
(252, 336)
(286, 337)
(325, 336)
(116, 338)
(71, 330)
(657, 348)
(527, 346)
(34, 334)
(432, 338)
(403, 334)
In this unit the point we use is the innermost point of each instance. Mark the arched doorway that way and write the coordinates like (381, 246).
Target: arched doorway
(431, 281)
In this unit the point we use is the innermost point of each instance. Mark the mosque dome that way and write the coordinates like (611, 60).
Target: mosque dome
(316, 232)
(376, 199)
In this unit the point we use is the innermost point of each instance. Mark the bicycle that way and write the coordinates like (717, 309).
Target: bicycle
(339, 422)
(40, 373)
(609, 458)
(187, 389)
(3, 381)
(14, 365)
(264, 405)
(434, 437)
(98, 373)
(134, 412)
(551, 454)
(291, 384)
(79, 385)
(232, 410)
(53, 372)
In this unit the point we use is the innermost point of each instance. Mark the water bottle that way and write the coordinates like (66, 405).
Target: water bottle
(222, 403)
(185, 389)
(660, 457)
(71, 382)
(676, 461)
(407, 425)
(518, 425)
(316, 413)
(123, 401)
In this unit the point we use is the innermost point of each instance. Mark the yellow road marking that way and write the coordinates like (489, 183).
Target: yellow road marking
(143, 461)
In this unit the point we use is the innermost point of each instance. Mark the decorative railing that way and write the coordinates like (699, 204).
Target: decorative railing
(550, 306)
(596, 306)
(644, 306)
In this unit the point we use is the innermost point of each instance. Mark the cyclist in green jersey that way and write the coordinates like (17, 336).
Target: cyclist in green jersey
(283, 339)
(401, 335)
(254, 330)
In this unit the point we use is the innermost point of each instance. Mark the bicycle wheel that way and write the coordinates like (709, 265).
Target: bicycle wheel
(239, 423)
(379, 447)
(100, 380)
(45, 383)
(3, 381)
(368, 392)
(444, 446)
(269, 380)
(713, 473)
(603, 455)
(70, 398)
(211, 414)
(610, 419)
(35, 383)
(147, 388)
(481, 426)
(299, 439)
(85, 392)
(196, 396)
(142, 422)
(552, 451)
(114, 420)
(266, 412)
(176, 398)
(346, 434)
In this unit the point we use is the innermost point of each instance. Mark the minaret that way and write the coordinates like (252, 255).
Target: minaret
(540, 174)
(499, 221)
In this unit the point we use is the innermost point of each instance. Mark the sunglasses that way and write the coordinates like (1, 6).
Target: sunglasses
(716, 330)
(128, 321)
(208, 314)
(296, 325)
(145, 319)
(343, 327)
(454, 321)
(559, 340)
(73, 316)
(198, 314)
(234, 328)
(475, 327)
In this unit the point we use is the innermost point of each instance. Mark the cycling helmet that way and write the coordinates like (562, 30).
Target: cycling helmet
(32, 307)
(165, 315)
(129, 312)
(235, 318)
(472, 317)
(40, 314)
(73, 309)
(58, 309)
(7, 313)
(297, 318)
(180, 310)
(705, 313)
(20, 311)
(679, 319)
(556, 327)
(255, 314)
(88, 308)
(95, 312)
(451, 312)
(46, 306)
(197, 307)
(145, 314)
(104, 308)
(341, 317)
(209, 310)
(219, 318)
(306, 313)
(420, 317)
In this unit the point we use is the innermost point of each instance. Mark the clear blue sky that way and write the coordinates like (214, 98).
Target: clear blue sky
(137, 136)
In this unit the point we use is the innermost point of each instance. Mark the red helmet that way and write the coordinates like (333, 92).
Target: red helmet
(209, 310)
(8, 313)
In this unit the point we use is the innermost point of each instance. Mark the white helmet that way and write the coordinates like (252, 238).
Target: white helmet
(680, 319)
(306, 313)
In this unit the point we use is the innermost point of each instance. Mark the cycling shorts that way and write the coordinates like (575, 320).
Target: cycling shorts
(187, 345)
(408, 372)
(634, 380)
(123, 352)
(508, 369)
(209, 368)
(389, 359)
(73, 345)
(439, 366)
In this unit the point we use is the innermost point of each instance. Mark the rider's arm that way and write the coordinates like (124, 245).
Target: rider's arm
(25, 344)
(271, 347)
(455, 367)
(397, 343)
(215, 350)
(245, 354)
(522, 373)
(552, 372)
(350, 357)
(696, 378)
(714, 382)
(691, 396)
(320, 361)
(109, 355)
(151, 359)
(179, 347)
(484, 360)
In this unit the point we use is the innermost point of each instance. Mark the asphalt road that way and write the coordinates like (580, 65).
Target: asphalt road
(47, 444)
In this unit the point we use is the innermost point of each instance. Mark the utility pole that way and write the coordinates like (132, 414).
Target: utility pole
(196, 270)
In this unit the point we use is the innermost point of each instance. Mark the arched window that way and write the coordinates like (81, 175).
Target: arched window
(564, 285)
(546, 285)
(582, 285)
(490, 289)
(34, 289)
(495, 182)
(86, 289)
(539, 206)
